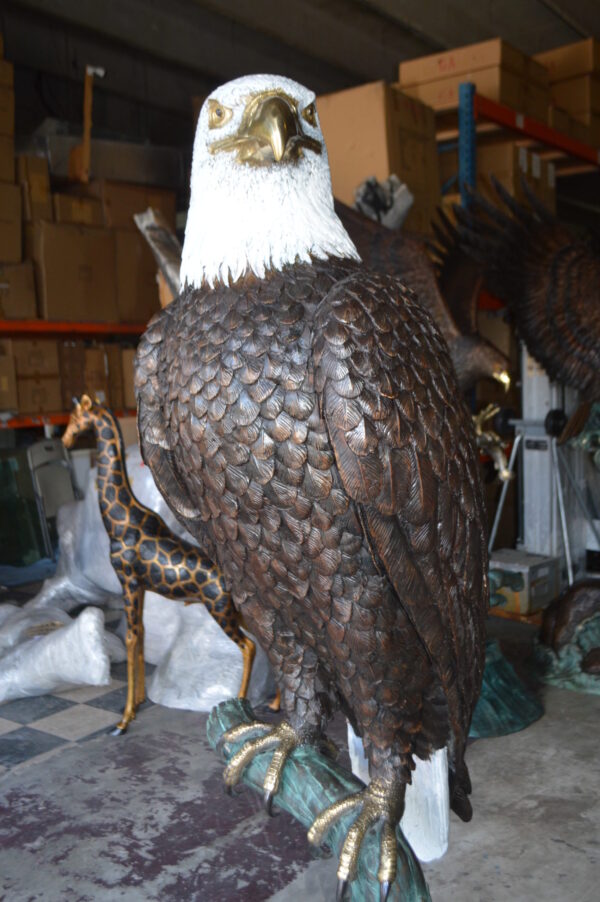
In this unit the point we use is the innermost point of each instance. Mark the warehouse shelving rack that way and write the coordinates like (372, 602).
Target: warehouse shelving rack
(39, 328)
(474, 109)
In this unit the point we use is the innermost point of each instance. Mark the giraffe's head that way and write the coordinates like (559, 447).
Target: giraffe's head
(82, 418)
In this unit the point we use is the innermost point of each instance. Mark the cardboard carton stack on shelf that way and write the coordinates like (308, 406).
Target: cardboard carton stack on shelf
(574, 75)
(501, 73)
(498, 71)
(376, 130)
(508, 162)
(69, 252)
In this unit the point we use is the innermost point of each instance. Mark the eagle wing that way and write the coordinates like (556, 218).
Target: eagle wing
(395, 253)
(549, 277)
(154, 434)
(459, 276)
(402, 443)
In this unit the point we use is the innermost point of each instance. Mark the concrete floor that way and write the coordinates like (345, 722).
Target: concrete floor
(143, 817)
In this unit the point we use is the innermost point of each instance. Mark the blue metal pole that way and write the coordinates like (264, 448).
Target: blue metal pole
(467, 149)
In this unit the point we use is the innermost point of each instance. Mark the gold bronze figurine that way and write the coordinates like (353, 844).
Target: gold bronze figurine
(145, 554)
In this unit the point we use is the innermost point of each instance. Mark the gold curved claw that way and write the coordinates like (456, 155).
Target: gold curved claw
(379, 803)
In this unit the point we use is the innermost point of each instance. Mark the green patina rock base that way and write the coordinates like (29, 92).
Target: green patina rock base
(505, 705)
(563, 669)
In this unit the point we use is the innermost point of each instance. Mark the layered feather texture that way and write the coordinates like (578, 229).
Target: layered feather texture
(549, 276)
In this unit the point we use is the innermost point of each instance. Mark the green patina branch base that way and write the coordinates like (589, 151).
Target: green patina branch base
(310, 783)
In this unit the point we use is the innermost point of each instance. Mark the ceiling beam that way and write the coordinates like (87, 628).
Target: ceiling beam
(344, 34)
(183, 33)
(445, 23)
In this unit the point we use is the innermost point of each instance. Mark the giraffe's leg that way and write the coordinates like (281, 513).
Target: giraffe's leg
(140, 678)
(248, 651)
(275, 704)
(133, 596)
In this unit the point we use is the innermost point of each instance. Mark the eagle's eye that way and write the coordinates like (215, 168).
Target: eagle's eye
(218, 114)
(309, 113)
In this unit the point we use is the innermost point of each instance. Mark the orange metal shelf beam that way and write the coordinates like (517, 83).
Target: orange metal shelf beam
(29, 421)
(47, 327)
(484, 108)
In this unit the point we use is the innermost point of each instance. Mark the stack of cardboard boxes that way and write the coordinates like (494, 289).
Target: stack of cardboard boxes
(376, 130)
(498, 71)
(42, 376)
(574, 74)
(509, 163)
(71, 255)
(91, 263)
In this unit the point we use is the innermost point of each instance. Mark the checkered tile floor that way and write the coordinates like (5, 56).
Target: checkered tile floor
(32, 728)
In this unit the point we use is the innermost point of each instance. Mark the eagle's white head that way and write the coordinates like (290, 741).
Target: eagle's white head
(260, 190)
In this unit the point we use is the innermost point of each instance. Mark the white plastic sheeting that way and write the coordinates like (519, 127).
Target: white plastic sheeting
(198, 665)
(73, 652)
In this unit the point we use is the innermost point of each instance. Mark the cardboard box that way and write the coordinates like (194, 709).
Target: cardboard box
(39, 395)
(559, 120)
(96, 373)
(571, 60)
(7, 159)
(541, 579)
(507, 162)
(165, 295)
(10, 223)
(463, 61)
(7, 111)
(35, 357)
(115, 376)
(34, 178)
(120, 201)
(17, 291)
(7, 78)
(537, 101)
(75, 272)
(71, 358)
(129, 431)
(375, 130)
(1, 45)
(127, 358)
(536, 72)
(578, 95)
(83, 210)
(495, 83)
(8, 384)
(137, 296)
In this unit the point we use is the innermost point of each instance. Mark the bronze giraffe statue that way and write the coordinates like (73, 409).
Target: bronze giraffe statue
(145, 554)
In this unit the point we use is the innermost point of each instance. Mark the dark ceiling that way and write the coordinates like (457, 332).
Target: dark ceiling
(157, 54)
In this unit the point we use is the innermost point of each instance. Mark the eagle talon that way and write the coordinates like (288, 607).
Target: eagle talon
(282, 736)
(342, 888)
(379, 802)
(268, 802)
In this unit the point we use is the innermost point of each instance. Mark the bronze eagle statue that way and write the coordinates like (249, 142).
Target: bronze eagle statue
(548, 275)
(301, 416)
(448, 286)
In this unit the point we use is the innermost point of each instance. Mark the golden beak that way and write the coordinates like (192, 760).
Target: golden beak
(274, 123)
(270, 130)
(503, 378)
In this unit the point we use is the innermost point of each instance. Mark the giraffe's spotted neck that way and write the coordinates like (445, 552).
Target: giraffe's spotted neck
(110, 459)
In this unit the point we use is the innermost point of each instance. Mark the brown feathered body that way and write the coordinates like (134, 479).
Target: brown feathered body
(307, 428)
(548, 275)
(397, 253)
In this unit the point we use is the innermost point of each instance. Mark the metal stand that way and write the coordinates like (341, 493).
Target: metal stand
(557, 458)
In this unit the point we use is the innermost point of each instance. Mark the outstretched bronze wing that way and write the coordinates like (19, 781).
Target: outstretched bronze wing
(549, 277)
(403, 448)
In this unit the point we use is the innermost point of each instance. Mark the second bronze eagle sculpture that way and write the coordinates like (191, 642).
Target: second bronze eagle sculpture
(301, 416)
